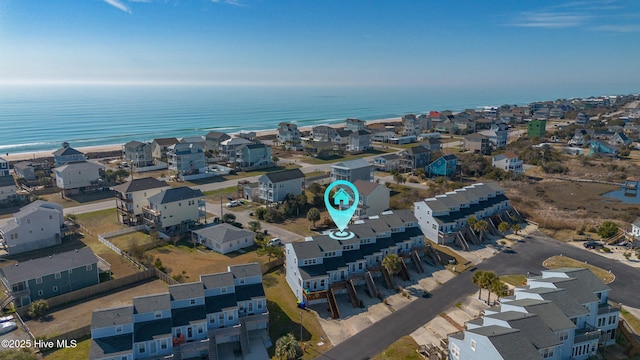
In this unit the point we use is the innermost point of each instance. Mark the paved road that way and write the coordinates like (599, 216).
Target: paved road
(528, 258)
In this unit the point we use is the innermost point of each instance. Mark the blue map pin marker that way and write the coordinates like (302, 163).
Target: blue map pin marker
(337, 204)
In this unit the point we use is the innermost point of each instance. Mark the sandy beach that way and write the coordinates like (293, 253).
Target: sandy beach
(111, 148)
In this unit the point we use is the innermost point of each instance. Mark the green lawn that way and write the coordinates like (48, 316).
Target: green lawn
(555, 262)
(404, 348)
(633, 321)
(284, 316)
(80, 352)
(515, 280)
(337, 158)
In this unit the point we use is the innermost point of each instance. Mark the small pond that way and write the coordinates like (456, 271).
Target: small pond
(626, 197)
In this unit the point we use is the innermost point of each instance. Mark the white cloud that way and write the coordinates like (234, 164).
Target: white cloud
(118, 5)
(230, 2)
(551, 20)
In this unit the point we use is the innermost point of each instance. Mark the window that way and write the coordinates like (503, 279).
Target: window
(223, 290)
(141, 348)
(241, 281)
(55, 289)
(163, 344)
(473, 345)
(455, 351)
(230, 316)
(547, 353)
(50, 217)
(118, 329)
(158, 315)
(192, 301)
(40, 292)
(89, 267)
(38, 280)
(259, 304)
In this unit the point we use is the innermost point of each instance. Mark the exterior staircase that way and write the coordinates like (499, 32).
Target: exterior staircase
(471, 236)
(415, 257)
(404, 271)
(461, 241)
(6, 301)
(371, 285)
(333, 304)
(615, 238)
(437, 260)
(213, 347)
(353, 295)
(244, 338)
(388, 280)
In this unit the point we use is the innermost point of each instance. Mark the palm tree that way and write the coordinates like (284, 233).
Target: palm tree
(392, 263)
(313, 215)
(489, 279)
(481, 226)
(287, 347)
(515, 228)
(477, 280)
(503, 227)
(499, 288)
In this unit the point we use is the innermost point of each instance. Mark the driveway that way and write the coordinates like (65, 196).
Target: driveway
(528, 257)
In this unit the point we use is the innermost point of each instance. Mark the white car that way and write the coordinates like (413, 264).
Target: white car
(6, 318)
(274, 242)
(8, 326)
(233, 203)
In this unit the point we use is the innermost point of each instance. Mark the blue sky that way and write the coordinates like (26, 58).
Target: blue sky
(324, 42)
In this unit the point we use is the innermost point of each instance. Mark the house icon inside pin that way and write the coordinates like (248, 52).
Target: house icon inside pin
(341, 197)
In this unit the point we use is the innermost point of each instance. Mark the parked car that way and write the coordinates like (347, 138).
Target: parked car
(6, 318)
(274, 242)
(593, 245)
(233, 203)
(7, 327)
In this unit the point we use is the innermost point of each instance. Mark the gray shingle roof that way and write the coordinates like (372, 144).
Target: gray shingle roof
(284, 175)
(150, 330)
(352, 164)
(307, 250)
(66, 151)
(214, 281)
(186, 291)
(248, 292)
(111, 346)
(536, 331)
(7, 180)
(365, 187)
(140, 185)
(112, 317)
(175, 194)
(151, 303)
(215, 304)
(166, 141)
(52, 264)
(245, 270)
(224, 233)
(510, 343)
(188, 316)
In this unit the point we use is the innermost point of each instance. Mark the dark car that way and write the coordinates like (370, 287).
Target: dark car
(593, 245)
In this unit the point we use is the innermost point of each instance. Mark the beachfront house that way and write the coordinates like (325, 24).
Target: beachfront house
(359, 141)
(373, 199)
(477, 143)
(445, 165)
(323, 133)
(414, 158)
(562, 314)
(275, 186)
(174, 210)
(200, 140)
(410, 125)
(213, 141)
(352, 170)
(132, 197)
(160, 148)
(340, 139)
(51, 275)
(536, 129)
(288, 135)
(497, 135)
(508, 162)
(36, 226)
(382, 136)
(223, 238)
(432, 143)
(443, 217)
(75, 177)
(7, 187)
(138, 154)
(229, 147)
(619, 139)
(253, 156)
(4, 167)
(582, 119)
(387, 162)
(25, 170)
(186, 159)
(313, 266)
(216, 315)
(66, 154)
(355, 125)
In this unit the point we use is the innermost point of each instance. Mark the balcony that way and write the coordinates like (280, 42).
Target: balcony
(152, 212)
(586, 335)
(606, 308)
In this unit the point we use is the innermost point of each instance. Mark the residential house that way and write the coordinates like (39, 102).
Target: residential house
(355, 125)
(229, 148)
(186, 159)
(200, 140)
(213, 141)
(484, 124)
(563, 314)
(51, 275)
(442, 217)
(619, 139)
(174, 210)
(431, 143)
(275, 186)
(321, 149)
(410, 125)
(446, 127)
(352, 170)
(445, 165)
(582, 119)
(477, 143)
(7, 187)
(556, 113)
(340, 139)
(247, 135)
(508, 162)
(223, 238)
(497, 135)
(250, 190)
(4, 167)
(253, 156)
(359, 141)
(77, 176)
(425, 122)
(536, 129)
(373, 199)
(66, 154)
(402, 140)
(138, 154)
(387, 162)
(36, 226)
(288, 135)
(314, 265)
(414, 158)
(603, 147)
(322, 133)
(581, 137)
(132, 197)
(216, 315)
(382, 136)
(160, 148)
(25, 170)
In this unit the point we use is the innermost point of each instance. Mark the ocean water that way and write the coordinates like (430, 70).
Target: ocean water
(39, 118)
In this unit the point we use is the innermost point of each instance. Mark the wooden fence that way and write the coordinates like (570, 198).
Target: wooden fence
(271, 265)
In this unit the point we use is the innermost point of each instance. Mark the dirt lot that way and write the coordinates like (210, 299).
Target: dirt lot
(80, 315)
